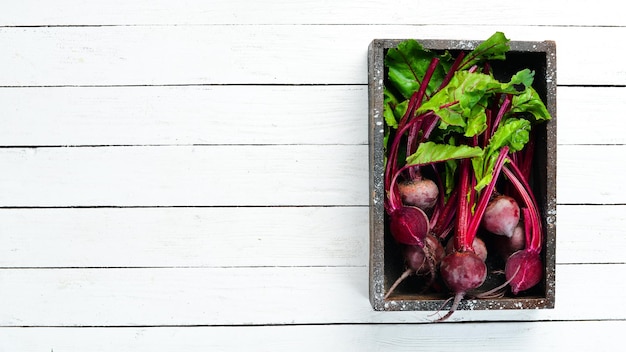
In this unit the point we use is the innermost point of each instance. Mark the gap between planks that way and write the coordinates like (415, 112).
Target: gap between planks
(330, 324)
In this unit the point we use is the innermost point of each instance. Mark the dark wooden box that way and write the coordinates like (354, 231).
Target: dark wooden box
(385, 268)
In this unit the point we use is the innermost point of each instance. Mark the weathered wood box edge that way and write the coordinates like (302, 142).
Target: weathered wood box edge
(539, 56)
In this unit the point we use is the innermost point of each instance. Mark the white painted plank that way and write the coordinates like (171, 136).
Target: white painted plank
(533, 336)
(185, 176)
(245, 175)
(281, 54)
(591, 234)
(590, 174)
(184, 115)
(244, 115)
(184, 237)
(116, 12)
(589, 115)
(260, 296)
(217, 237)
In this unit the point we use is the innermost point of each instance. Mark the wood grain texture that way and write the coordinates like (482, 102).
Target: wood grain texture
(246, 237)
(248, 54)
(184, 237)
(225, 115)
(578, 171)
(183, 115)
(243, 176)
(259, 296)
(169, 12)
(185, 176)
(589, 115)
(528, 336)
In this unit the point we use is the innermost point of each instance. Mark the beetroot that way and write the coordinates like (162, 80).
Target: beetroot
(524, 270)
(501, 216)
(463, 271)
(416, 257)
(419, 192)
(479, 246)
(409, 225)
(506, 246)
(420, 260)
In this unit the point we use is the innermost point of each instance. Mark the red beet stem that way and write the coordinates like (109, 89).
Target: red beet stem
(440, 198)
(523, 188)
(486, 193)
(391, 169)
(444, 220)
(528, 228)
(393, 150)
(414, 131)
(462, 240)
(503, 109)
(453, 69)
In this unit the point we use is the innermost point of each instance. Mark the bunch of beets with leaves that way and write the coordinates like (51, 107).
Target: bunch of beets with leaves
(458, 157)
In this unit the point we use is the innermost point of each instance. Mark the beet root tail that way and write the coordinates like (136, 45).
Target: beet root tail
(455, 304)
(404, 275)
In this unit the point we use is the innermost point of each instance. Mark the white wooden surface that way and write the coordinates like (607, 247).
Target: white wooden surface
(186, 175)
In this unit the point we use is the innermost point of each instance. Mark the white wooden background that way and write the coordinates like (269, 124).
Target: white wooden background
(188, 175)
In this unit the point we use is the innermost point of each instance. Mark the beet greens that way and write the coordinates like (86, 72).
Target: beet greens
(458, 140)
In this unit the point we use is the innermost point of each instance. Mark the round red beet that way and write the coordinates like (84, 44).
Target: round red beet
(501, 216)
(420, 193)
(524, 270)
(409, 225)
(479, 246)
(463, 271)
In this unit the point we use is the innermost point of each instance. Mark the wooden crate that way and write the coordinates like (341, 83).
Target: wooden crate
(385, 263)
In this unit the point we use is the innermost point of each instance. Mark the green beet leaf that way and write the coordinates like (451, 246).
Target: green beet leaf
(390, 109)
(529, 101)
(431, 152)
(407, 65)
(463, 101)
(514, 133)
(494, 48)
(483, 169)
(524, 77)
